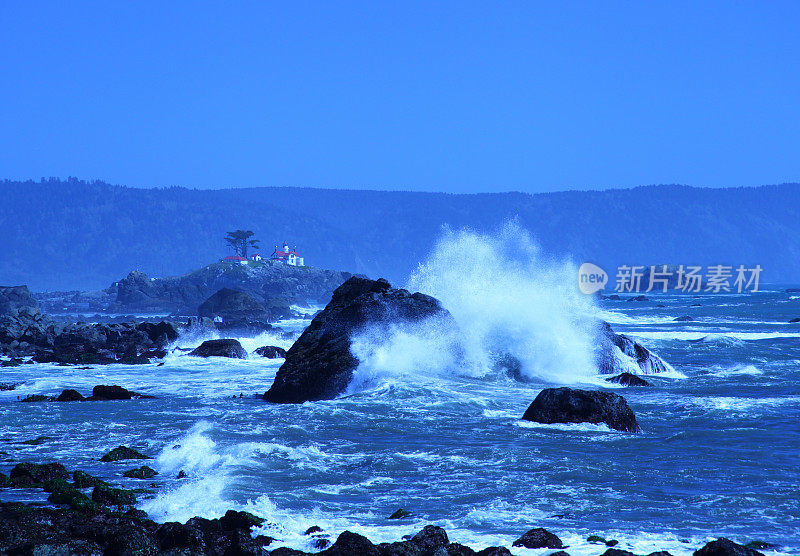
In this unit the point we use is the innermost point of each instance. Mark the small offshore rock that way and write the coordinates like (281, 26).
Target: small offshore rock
(560, 553)
(683, 318)
(538, 538)
(628, 379)
(568, 405)
(112, 392)
(726, 547)
(13, 362)
(313, 529)
(142, 472)
(181, 474)
(227, 347)
(37, 441)
(400, 513)
(122, 453)
(271, 352)
(761, 545)
(70, 395)
(35, 398)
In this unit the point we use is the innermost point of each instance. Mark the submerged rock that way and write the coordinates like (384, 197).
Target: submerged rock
(628, 379)
(271, 352)
(319, 365)
(567, 405)
(228, 347)
(539, 538)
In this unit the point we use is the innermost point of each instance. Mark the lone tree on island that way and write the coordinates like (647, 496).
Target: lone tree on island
(240, 241)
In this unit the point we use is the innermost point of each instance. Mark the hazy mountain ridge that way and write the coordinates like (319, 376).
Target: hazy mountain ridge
(73, 234)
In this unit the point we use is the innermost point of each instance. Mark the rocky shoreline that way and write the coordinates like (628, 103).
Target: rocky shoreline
(107, 524)
(30, 530)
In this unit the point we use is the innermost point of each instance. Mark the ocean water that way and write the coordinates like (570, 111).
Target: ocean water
(718, 456)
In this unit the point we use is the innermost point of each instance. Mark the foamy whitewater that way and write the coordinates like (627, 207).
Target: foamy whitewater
(431, 425)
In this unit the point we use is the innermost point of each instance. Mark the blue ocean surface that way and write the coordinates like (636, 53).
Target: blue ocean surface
(719, 454)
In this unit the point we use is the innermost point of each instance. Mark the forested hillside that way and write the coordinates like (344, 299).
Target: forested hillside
(72, 234)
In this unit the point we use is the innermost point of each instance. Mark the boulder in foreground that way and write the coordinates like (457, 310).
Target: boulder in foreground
(567, 405)
(726, 547)
(539, 538)
(228, 347)
(319, 365)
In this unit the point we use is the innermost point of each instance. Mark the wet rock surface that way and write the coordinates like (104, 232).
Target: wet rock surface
(568, 405)
(538, 538)
(227, 347)
(271, 352)
(320, 365)
(617, 353)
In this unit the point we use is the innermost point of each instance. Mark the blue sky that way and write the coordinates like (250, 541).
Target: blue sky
(436, 96)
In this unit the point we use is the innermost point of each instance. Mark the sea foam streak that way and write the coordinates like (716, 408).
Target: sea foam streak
(506, 298)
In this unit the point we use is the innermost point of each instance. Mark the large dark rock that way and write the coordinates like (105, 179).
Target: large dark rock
(29, 474)
(350, 544)
(319, 365)
(70, 395)
(617, 353)
(159, 333)
(726, 547)
(539, 538)
(221, 348)
(566, 405)
(113, 392)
